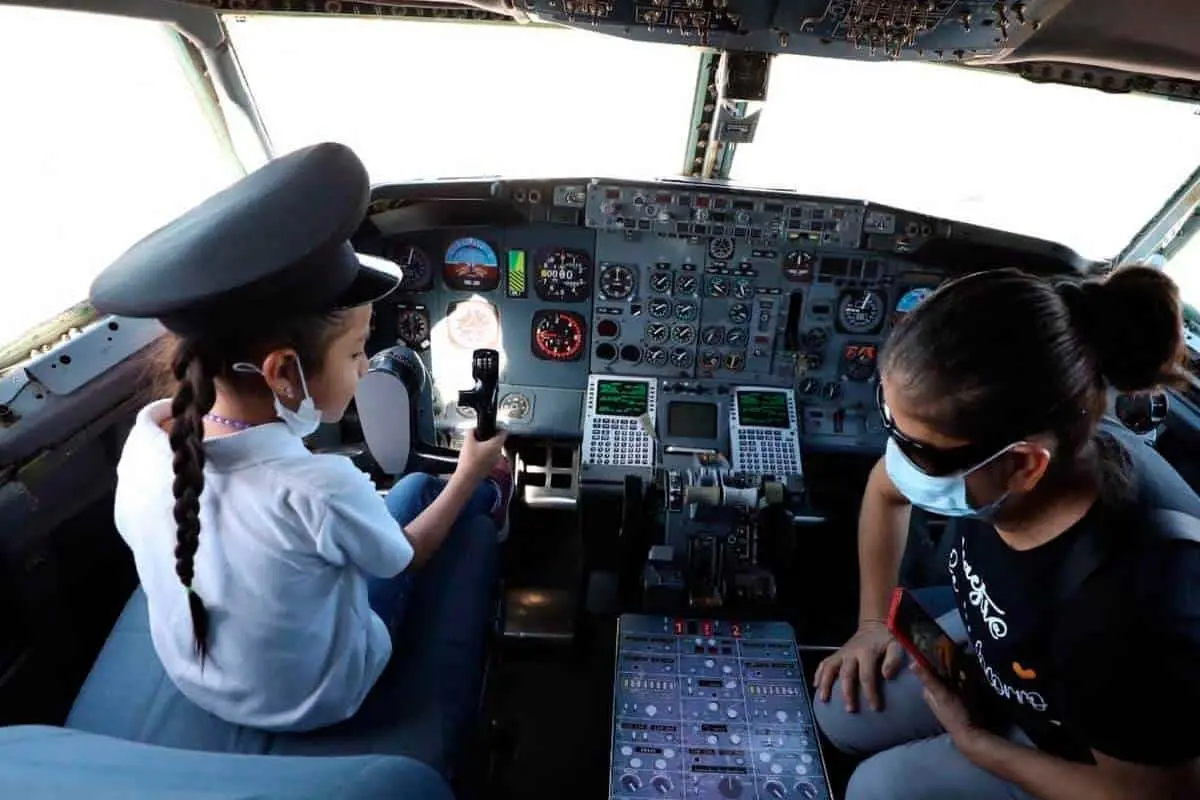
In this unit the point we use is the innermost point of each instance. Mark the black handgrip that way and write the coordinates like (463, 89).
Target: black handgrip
(485, 369)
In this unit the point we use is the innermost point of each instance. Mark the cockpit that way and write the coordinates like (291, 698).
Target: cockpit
(660, 243)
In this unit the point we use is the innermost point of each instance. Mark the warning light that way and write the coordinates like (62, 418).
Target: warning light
(707, 627)
(735, 630)
(679, 627)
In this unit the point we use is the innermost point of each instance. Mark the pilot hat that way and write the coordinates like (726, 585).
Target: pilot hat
(274, 244)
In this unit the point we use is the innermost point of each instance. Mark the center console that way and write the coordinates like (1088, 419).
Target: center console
(712, 709)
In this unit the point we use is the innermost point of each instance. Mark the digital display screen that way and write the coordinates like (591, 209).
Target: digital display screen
(622, 398)
(517, 284)
(763, 409)
(692, 420)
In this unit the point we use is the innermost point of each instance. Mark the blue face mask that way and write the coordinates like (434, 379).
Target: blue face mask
(302, 422)
(939, 494)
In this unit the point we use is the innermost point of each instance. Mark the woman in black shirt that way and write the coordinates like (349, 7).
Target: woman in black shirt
(1082, 611)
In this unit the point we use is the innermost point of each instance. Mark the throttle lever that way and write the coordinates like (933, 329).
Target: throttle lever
(485, 369)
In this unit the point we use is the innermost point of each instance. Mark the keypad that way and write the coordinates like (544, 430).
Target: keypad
(766, 451)
(619, 441)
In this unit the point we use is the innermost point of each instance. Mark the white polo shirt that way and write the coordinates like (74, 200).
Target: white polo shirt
(287, 540)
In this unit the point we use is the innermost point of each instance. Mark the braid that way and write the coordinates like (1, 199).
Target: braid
(194, 397)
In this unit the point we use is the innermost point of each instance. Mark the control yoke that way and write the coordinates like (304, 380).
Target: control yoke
(485, 369)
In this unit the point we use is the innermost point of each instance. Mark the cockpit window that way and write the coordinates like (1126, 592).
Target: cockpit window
(430, 99)
(1072, 165)
(104, 139)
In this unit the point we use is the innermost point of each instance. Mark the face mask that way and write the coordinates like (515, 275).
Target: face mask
(302, 422)
(939, 494)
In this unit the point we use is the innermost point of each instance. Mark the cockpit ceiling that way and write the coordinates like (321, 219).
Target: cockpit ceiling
(1117, 45)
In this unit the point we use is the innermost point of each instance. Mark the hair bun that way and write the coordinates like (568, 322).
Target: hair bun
(1133, 322)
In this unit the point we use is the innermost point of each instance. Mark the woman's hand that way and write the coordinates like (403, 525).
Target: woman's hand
(859, 662)
(947, 706)
(477, 459)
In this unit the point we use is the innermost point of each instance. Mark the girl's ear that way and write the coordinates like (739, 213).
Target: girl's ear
(279, 371)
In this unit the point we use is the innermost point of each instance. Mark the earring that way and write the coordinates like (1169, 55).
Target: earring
(286, 391)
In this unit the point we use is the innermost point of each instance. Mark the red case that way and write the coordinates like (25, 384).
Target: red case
(948, 669)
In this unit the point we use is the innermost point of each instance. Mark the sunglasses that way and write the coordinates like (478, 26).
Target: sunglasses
(933, 460)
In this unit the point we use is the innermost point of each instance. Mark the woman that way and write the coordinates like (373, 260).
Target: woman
(992, 394)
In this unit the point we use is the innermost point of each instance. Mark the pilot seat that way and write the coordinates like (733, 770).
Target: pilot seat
(127, 698)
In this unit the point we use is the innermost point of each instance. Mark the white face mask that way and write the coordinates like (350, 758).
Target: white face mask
(940, 494)
(302, 422)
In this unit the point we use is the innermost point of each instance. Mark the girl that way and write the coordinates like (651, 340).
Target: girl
(275, 577)
(991, 393)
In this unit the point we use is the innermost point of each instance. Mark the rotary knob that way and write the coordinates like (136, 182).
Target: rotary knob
(775, 789)
(730, 786)
(631, 782)
(806, 790)
(661, 784)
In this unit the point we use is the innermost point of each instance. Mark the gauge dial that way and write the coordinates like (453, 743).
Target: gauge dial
(710, 359)
(471, 265)
(743, 289)
(685, 284)
(721, 248)
(563, 276)
(660, 282)
(686, 310)
(515, 407)
(798, 266)
(412, 326)
(737, 337)
(660, 308)
(656, 356)
(414, 265)
(858, 361)
(713, 335)
(472, 324)
(735, 362)
(739, 313)
(684, 334)
(860, 311)
(717, 287)
(681, 358)
(557, 335)
(911, 299)
(657, 332)
(617, 281)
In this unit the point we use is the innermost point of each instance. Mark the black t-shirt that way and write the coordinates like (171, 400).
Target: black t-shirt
(1115, 667)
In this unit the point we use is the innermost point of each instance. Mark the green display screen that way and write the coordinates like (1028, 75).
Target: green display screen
(763, 409)
(622, 398)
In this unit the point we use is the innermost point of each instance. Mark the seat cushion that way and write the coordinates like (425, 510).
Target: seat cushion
(129, 696)
(45, 762)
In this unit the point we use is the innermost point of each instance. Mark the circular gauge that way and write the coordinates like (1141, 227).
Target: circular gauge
(681, 358)
(743, 289)
(412, 326)
(414, 265)
(660, 282)
(739, 313)
(515, 406)
(563, 276)
(713, 335)
(735, 362)
(617, 281)
(557, 335)
(472, 324)
(858, 361)
(684, 334)
(471, 265)
(686, 310)
(798, 266)
(736, 337)
(657, 333)
(718, 287)
(660, 308)
(685, 284)
(911, 299)
(721, 248)
(656, 356)
(860, 311)
(710, 359)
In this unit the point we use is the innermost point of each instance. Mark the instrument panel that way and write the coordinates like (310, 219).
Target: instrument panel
(701, 288)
